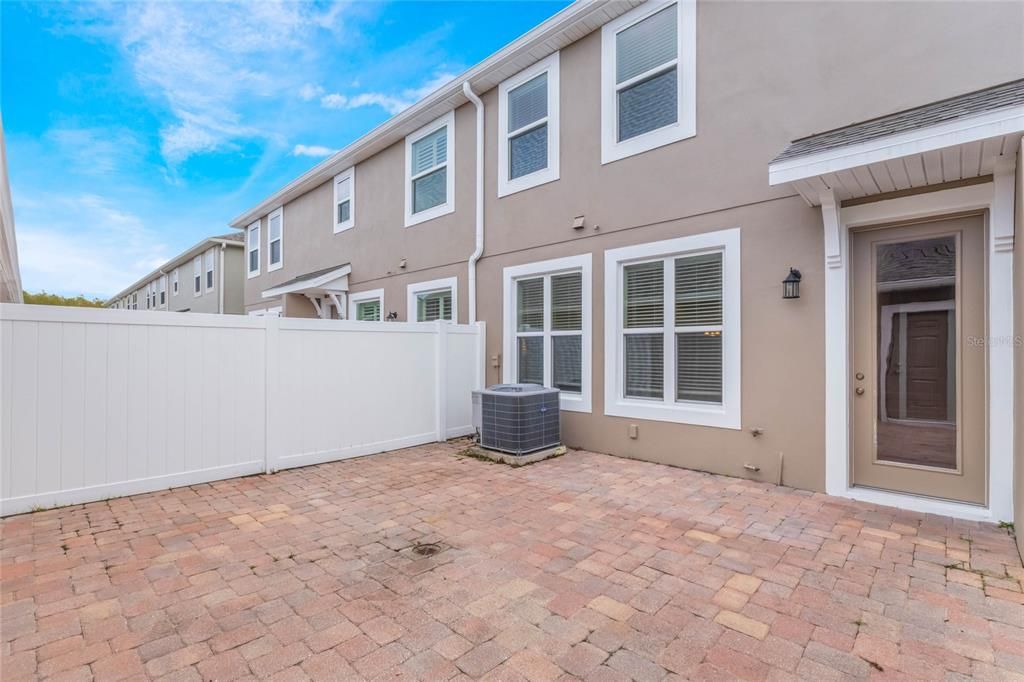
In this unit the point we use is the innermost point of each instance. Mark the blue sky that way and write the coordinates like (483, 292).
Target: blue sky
(134, 130)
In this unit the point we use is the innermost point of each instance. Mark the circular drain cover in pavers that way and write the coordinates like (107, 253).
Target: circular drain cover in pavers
(426, 549)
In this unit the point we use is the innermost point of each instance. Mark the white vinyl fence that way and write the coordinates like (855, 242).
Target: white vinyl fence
(102, 403)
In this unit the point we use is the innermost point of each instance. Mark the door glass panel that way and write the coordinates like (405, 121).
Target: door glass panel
(916, 305)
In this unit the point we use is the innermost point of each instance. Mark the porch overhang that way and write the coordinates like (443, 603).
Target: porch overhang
(320, 283)
(956, 139)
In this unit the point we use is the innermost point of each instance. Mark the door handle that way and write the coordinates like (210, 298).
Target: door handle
(860, 390)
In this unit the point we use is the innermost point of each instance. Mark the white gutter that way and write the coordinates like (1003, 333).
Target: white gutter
(479, 250)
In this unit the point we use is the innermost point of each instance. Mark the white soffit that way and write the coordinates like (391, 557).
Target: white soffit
(961, 149)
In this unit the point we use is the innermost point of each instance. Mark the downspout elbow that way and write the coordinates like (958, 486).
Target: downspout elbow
(479, 249)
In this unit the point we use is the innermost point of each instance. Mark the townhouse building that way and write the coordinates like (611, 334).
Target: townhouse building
(206, 278)
(620, 193)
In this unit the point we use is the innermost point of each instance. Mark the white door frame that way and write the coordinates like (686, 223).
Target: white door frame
(997, 199)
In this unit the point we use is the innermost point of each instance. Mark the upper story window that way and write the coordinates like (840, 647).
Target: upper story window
(433, 300)
(163, 290)
(548, 329)
(430, 168)
(135, 300)
(648, 79)
(528, 127)
(252, 248)
(197, 276)
(174, 282)
(275, 239)
(209, 258)
(344, 200)
(672, 347)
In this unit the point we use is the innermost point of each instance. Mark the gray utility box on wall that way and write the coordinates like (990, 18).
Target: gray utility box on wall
(517, 418)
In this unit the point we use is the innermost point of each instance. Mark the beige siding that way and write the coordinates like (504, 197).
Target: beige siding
(766, 73)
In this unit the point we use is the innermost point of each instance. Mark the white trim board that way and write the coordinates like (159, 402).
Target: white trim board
(995, 197)
(555, 266)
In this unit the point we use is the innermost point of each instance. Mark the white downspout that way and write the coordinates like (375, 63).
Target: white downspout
(479, 250)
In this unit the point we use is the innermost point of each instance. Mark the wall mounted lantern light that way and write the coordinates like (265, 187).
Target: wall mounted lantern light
(791, 285)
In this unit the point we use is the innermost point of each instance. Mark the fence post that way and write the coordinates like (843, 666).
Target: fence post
(270, 388)
(481, 354)
(441, 379)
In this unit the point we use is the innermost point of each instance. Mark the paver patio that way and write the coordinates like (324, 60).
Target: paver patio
(586, 566)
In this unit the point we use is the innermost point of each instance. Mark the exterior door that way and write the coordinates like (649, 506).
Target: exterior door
(919, 358)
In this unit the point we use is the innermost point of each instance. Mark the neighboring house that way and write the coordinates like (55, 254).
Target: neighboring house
(206, 278)
(626, 214)
(10, 275)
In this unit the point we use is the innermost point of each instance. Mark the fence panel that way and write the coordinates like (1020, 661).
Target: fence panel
(105, 403)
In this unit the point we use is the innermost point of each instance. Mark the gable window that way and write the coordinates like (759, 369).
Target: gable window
(252, 248)
(197, 276)
(548, 329)
(648, 79)
(163, 290)
(366, 306)
(344, 200)
(430, 163)
(174, 282)
(528, 127)
(433, 300)
(209, 258)
(672, 346)
(275, 233)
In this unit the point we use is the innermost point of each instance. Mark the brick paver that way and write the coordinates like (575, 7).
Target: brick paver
(581, 567)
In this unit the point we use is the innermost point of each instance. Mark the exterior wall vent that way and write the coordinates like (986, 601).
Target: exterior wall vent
(517, 418)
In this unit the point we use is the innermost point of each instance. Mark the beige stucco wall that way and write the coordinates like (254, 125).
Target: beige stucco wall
(766, 73)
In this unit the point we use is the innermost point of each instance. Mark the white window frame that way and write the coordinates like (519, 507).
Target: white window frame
(197, 274)
(279, 211)
(135, 300)
(249, 248)
(686, 65)
(162, 291)
(350, 175)
(174, 282)
(506, 185)
(449, 205)
(558, 266)
(429, 287)
(209, 271)
(727, 415)
(362, 297)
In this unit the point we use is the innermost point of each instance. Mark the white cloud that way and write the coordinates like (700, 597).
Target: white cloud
(96, 151)
(95, 248)
(391, 103)
(309, 91)
(206, 61)
(315, 150)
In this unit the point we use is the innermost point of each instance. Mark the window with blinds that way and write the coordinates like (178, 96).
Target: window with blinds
(197, 275)
(275, 230)
(209, 257)
(646, 78)
(672, 313)
(344, 184)
(527, 127)
(368, 311)
(252, 238)
(434, 305)
(549, 331)
(429, 171)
